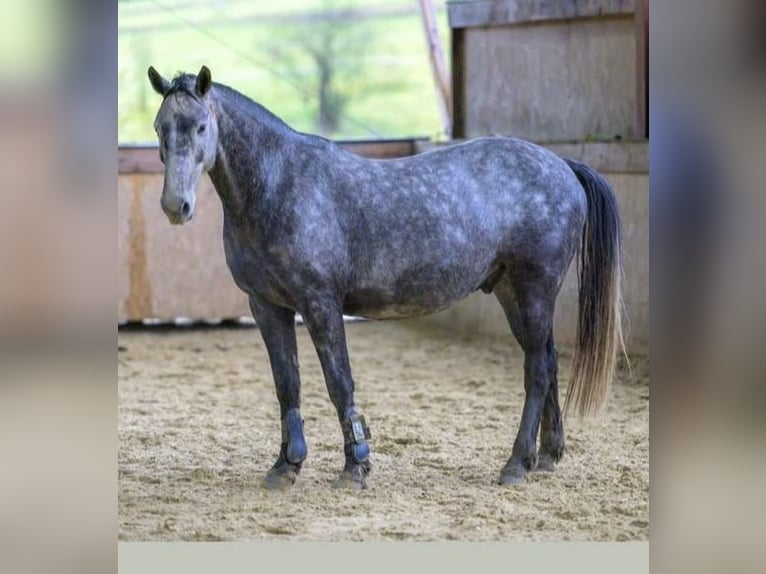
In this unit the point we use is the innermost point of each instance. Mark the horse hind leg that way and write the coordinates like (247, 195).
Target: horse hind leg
(528, 305)
(551, 428)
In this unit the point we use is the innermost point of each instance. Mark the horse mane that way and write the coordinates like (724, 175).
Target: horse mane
(186, 83)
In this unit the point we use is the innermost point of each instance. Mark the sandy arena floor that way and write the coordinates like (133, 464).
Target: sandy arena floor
(198, 429)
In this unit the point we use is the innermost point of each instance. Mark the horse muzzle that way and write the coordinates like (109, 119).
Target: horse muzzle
(178, 210)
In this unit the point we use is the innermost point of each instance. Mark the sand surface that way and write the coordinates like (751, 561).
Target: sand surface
(199, 427)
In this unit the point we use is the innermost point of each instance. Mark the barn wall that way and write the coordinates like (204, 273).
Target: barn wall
(548, 70)
(170, 271)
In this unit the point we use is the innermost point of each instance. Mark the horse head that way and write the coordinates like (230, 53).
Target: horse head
(188, 138)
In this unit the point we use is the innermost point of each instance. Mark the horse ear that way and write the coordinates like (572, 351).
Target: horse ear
(160, 84)
(203, 81)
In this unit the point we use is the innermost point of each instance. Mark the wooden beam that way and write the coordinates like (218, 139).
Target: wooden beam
(145, 159)
(470, 14)
(381, 149)
(642, 68)
(458, 83)
(438, 66)
(139, 159)
(605, 156)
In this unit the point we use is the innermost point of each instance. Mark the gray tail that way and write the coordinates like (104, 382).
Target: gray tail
(599, 322)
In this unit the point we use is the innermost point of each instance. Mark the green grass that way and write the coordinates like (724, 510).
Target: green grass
(391, 93)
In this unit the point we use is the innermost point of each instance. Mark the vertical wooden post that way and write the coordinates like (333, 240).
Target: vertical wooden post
(642, 69)
(458, 84)
(438, 65)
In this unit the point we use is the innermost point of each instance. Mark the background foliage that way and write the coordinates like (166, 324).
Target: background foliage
(278, 53)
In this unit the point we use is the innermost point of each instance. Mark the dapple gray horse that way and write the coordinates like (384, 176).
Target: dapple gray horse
(314, 229)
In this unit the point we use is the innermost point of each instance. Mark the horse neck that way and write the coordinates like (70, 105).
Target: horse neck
(251, 147)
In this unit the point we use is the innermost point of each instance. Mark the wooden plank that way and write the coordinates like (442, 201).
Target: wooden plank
(642, 68)
(139, 302)
(469, 14)
(146, 159)
(139, 159)
(381, 149)
(612, 157)
(608, 156)
(458, 83)
(587, 91)
(168, 271)
(625, 156)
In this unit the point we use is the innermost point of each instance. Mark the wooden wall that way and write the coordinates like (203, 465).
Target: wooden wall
(550, 70)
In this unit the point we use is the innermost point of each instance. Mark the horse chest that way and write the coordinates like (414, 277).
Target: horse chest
(254, 271)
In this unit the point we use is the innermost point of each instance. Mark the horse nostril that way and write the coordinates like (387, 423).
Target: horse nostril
(185, 208)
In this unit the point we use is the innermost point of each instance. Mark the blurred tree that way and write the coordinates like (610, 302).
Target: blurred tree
(325, 55)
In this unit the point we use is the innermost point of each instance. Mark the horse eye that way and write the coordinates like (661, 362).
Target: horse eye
(201, 129)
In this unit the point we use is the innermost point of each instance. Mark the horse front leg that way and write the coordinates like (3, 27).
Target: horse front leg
(277, 326)
(324, 320)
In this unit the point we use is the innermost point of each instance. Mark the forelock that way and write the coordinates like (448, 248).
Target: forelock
(183, 83)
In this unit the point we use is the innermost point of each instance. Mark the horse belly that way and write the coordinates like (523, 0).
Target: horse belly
(377, 304)
(421, 263)
(418, 292)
